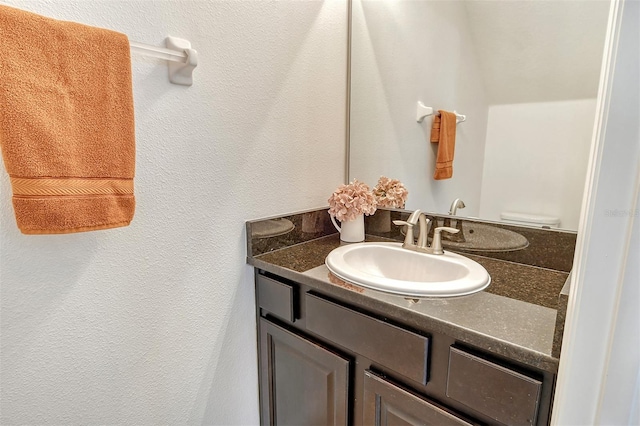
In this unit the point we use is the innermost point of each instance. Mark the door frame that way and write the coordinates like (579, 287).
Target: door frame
(596, 329)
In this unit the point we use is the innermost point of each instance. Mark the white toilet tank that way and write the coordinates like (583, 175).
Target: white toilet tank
(526, 219)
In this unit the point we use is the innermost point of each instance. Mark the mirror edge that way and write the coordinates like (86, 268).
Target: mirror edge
(347, 140)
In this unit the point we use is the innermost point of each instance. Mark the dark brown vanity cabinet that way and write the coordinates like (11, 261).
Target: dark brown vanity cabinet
(325, 362)
(302, 382)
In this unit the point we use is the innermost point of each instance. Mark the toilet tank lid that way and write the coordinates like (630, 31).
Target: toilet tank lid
(530, 218)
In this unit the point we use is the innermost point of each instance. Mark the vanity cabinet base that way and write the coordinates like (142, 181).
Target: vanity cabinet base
(326, 362)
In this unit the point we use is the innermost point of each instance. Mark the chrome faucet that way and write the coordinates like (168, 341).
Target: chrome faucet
(417, 217)
(455, 223)
(457, 204)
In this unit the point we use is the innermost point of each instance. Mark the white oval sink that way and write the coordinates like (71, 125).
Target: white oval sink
(391, 268)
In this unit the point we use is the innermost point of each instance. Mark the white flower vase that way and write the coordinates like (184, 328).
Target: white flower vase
(351, 231)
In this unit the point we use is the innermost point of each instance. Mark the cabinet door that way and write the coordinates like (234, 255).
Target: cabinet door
(302, 383)
(386, 404)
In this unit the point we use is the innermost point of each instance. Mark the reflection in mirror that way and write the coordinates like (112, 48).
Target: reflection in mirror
(525, 74)
(272, 228)
(482, 237)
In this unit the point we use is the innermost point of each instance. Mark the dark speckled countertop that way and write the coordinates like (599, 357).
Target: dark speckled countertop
(514, 317)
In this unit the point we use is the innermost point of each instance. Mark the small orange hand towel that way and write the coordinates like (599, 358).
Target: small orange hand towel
(66, 123)
(443, 132)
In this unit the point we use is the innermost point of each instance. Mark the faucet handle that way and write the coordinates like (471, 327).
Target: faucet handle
(447, 229)
(408, 238)
(436, 245)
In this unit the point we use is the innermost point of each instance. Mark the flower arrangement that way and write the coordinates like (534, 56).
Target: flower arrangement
(349, 201)
(390, 193)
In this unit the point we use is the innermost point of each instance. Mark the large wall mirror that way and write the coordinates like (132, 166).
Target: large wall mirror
(524, 72)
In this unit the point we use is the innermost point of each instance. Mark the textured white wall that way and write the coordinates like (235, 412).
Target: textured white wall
(404, 52)
(536, 159)
(154, 323)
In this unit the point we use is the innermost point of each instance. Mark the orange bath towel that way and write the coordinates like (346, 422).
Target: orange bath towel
(66, 123)
(443, 132)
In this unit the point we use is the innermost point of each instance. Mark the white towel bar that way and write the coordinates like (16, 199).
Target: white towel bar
(183, 59)
(158, 52)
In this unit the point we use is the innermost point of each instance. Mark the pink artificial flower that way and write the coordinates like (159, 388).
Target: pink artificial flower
(390, 193)
(349, 201)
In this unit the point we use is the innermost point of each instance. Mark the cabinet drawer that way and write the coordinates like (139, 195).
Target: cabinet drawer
(392, 347)
(491, 389)
(387, 404)
(276, 298)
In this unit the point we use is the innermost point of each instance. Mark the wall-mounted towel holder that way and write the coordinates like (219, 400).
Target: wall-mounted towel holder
(423, 111)
(182, 58)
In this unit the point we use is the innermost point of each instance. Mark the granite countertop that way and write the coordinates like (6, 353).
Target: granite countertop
(514, 317)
